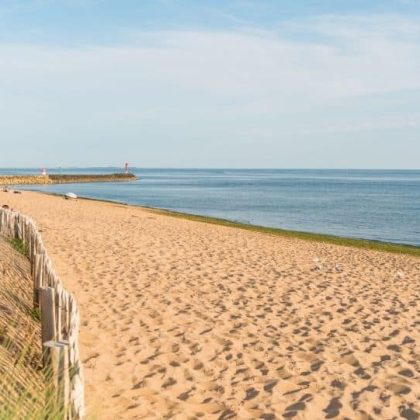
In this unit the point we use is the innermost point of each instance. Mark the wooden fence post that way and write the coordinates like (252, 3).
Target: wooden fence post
(36, 277)
(56, 369)
(64, 378)
(48, 322)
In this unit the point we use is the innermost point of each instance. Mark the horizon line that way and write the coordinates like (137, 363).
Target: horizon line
(208, 168)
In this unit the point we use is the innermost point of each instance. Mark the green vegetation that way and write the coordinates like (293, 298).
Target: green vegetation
(20, 246)
(36, 314)
(336, 240)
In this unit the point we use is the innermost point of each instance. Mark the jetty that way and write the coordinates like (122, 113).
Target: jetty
(64, 179)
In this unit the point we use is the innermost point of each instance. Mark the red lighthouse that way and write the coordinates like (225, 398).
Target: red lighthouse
(126, 168)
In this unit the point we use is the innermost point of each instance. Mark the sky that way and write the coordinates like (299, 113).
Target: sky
(210, 83)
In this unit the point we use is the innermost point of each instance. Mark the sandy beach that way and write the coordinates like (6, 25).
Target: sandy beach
(182, 319)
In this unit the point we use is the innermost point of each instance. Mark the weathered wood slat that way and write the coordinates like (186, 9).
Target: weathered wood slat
(48, 315)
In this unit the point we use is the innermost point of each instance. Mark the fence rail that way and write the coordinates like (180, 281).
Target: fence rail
(60, 319)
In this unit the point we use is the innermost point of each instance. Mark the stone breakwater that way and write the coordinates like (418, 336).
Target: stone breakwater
(28, 180)
(63, 179)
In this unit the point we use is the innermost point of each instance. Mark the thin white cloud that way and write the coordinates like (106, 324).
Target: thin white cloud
(367, 56)
(366, 125)
(199, 80)
(353, 27)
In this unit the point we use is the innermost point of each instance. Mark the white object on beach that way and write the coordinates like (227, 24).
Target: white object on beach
(71, 196)
(318, 265)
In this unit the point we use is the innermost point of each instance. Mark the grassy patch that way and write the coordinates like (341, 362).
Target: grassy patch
(36, 314)
(20, 246)
(315, 237)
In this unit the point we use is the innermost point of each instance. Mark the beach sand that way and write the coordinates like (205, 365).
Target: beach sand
(182, 319)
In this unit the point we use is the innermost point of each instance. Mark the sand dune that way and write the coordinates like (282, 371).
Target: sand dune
(182, 319)
(20, 344)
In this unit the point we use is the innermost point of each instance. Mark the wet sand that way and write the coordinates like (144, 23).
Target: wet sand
(182, 319)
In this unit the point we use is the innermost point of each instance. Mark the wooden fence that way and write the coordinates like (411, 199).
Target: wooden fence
(60, 318)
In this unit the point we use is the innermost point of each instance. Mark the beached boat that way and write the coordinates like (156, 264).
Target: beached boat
(70, 196)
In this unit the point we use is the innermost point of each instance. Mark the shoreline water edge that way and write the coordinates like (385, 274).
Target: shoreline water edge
(374, 205)
(309, 236)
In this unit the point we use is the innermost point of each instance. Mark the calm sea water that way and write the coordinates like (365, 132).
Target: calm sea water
(379, 205)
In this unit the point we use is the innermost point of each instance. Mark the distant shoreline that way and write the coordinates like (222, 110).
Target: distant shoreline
(64, 179)
(308, 236)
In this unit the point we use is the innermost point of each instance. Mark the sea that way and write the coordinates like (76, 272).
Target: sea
(381, 205)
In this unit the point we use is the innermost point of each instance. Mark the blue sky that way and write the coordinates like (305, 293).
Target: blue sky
(217, 83)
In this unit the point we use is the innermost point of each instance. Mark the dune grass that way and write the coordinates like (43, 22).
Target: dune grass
(26, 389)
